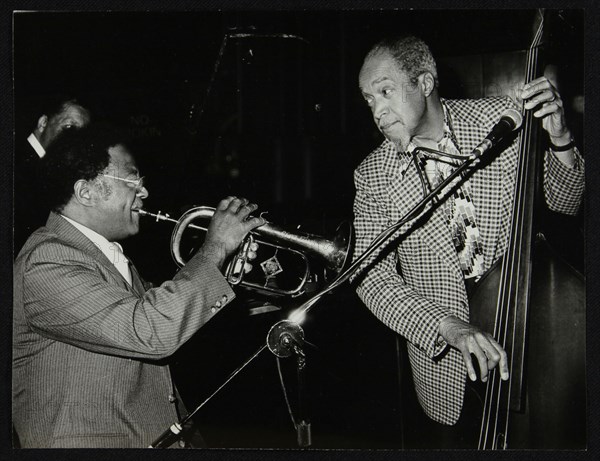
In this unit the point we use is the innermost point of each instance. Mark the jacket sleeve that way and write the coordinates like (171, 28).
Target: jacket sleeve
(563, 186)
(67, 299)
(382, 288)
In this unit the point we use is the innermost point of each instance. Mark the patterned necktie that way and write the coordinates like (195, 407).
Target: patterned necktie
(459, 212)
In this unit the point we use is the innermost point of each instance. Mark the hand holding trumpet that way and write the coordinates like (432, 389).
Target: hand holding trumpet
(228, 227)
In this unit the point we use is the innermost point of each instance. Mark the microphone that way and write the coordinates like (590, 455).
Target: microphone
(510, 121)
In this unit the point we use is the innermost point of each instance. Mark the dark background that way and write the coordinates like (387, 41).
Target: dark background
(274, 115)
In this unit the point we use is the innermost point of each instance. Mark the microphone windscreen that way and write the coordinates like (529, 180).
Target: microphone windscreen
(515, 118)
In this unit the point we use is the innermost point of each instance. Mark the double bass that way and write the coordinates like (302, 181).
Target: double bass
(534, 303)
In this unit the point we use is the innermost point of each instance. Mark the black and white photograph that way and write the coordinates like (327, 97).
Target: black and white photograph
(299, 229)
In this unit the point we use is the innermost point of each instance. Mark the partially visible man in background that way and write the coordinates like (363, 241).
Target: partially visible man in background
(58, 114)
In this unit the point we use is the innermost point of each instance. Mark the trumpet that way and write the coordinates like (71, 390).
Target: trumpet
(289, 259)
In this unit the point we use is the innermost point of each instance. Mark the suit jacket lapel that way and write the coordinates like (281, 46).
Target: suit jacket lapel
(488, 206)
(405, 192)
(71, 235)
(136, 281)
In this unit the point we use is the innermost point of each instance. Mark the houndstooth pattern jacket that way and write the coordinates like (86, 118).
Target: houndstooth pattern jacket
(416, 281)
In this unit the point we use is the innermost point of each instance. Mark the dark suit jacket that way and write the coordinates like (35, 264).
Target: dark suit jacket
(87, 347)
(30, 210)
(420, 282)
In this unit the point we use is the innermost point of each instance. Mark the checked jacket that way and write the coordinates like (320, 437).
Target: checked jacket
(415, 281)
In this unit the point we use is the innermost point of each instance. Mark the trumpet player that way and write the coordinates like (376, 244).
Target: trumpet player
(89, 335)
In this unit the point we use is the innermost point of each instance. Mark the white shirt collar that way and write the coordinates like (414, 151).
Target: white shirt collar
(112, 250)
(36, 145)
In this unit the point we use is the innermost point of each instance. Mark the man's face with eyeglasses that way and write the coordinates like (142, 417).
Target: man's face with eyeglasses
(117, 195)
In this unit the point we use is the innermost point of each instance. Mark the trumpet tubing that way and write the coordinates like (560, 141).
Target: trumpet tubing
(331, 254)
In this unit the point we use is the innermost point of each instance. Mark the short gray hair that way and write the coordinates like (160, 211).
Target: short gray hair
(411, 53)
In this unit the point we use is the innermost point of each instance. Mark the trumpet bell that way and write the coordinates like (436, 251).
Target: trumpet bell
(341, 245)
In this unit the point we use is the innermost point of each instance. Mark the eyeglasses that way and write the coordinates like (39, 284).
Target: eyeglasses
(137, 184)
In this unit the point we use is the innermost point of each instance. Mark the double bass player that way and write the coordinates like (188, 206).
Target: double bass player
(419, 287)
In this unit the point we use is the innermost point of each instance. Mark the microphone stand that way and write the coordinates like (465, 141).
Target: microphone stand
(284, 339)
(286, 336)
